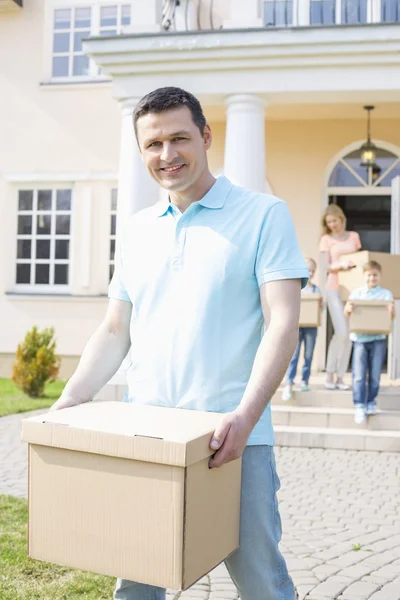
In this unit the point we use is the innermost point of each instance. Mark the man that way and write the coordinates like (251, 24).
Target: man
(196, 277)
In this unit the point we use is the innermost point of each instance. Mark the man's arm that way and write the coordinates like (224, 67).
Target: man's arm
(101, 358)
(281, 309)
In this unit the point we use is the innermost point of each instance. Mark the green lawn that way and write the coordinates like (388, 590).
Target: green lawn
(13, 400)
(22, 578)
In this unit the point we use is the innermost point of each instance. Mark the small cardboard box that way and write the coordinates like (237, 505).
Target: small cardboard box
(126, 491)
(370, 316)
(310, 310)
(354, 278)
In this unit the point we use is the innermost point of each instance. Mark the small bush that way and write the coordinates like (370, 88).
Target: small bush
(36, 362)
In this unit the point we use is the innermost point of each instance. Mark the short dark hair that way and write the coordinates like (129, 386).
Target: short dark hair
(372, 264)
(169, 98)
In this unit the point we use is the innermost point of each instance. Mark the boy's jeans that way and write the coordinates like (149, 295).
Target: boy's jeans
(368, 359)
(308, 336)
(257, 568)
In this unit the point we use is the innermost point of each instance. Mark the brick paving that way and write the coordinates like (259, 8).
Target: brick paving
(340, 512)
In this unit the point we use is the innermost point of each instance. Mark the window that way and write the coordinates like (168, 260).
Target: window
(354, 11)
(349, 173)
(322, 12)
(390, 11)
(72, 25)
(113, 227)
(278, 13)
(113, 18)
(43, 237)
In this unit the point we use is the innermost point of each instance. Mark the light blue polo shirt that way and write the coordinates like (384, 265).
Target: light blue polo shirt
(366, 293)
(193, 280)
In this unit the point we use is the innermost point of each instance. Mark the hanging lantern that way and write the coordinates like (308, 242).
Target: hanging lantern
(368, 149)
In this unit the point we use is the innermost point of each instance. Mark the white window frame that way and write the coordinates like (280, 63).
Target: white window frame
(94, 73)
(50, 288)
(112, 236)
(302, 8)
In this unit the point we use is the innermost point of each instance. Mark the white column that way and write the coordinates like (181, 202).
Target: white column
(136, 189)
(245, 14)
(245, 141)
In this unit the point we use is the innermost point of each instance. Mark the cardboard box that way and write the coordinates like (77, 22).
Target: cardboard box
(310, 310)
(370, 316)
(126, 491)
(354, 278)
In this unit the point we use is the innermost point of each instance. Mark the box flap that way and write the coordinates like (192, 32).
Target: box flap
(371, 302)
(170, 436)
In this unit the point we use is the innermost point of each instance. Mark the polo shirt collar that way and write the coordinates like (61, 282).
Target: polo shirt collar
(215, 197)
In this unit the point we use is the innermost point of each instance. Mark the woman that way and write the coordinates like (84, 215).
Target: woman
(335, 242)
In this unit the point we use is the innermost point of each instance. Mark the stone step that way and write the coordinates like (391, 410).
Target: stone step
(339, 439)
(332, 418)
(388, 399)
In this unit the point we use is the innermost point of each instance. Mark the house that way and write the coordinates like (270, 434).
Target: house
(284, 84)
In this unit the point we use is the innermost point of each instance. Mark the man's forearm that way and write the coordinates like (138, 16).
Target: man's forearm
(272, 359)
(100, 360)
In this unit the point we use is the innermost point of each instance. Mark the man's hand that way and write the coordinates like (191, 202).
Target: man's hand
(392, 310)
(66, 402)
(348, 309)
(230, 438)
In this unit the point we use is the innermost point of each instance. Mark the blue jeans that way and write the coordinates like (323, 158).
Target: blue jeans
(257, 568)
(308, 336)
(367, 366)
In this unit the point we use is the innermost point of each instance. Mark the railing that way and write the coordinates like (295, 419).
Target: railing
(206, 14)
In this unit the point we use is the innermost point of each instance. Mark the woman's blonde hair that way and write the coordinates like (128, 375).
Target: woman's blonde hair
(334, 210)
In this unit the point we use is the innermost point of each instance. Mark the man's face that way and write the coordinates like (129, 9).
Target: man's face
(173, 149)
(372, 278)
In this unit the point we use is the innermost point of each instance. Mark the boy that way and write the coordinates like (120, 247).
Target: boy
(308, 336)
(369, 350)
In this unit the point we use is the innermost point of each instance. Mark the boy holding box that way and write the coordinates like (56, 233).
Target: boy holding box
(369, 350)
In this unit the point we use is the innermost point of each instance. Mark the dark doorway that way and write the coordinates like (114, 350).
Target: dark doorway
(370, 217)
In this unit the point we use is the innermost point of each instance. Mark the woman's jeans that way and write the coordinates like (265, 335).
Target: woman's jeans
(257, 568)
(307, 336)
(340, 346)
(368, 358)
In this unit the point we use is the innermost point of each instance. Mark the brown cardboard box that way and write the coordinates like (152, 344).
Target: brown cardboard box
(126, 491)
(310, 310)
(370, 316)
(354, 278)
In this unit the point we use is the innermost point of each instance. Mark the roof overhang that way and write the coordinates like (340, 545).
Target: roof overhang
(317, 62)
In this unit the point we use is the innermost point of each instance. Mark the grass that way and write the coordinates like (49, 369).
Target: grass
(22, 578)
(12, 400)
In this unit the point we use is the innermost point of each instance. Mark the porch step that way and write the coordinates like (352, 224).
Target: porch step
(332, 418)
(339, 439)
(388, 399)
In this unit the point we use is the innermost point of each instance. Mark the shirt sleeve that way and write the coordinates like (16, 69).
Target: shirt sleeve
(324, 245)
(117, 288)
(278, 254)
(357, 240)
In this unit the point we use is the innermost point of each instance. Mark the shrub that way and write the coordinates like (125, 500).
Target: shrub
(36, 362)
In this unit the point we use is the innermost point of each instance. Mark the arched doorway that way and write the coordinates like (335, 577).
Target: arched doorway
(365, 195)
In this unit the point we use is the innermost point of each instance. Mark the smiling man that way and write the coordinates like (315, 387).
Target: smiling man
(196, 277)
